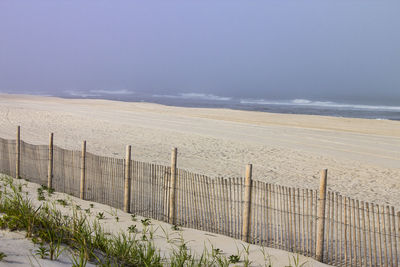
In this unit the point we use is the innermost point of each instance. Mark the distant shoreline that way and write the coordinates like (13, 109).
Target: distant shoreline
(296, 106)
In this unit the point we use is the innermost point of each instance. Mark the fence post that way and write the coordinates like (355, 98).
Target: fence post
(83, 171)
(18, 153)
(247, 203)
(321, 216)
(50, 169)
(127, 186)
(172, 188)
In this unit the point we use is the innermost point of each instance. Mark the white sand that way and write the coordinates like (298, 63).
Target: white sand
(22, 252)
(363, 156)
(18, 249)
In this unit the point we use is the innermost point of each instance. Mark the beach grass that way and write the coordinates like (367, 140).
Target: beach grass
(85, 239)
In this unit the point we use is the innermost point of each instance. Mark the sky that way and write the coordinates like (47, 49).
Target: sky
(339, 50)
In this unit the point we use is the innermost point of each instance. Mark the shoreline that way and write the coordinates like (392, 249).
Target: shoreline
(199, 106)
(362, 156)
(205, 112)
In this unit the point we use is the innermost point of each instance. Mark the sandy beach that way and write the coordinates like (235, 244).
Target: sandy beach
(362, 156)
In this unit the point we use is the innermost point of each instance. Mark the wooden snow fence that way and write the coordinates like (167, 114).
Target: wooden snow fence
(322, 224)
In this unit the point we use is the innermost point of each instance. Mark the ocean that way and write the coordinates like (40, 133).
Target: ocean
(286, 106)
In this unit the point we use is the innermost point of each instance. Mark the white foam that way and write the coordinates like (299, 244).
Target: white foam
(80, 93)
(306, 102)
(196, 96)
(112, 92)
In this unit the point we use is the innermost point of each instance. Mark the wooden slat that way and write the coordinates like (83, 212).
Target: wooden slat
(294, 220)
(207, 198)
(372, 252)
(291, 222)
(327, 228)
(395, 260)
(282, 211)
(364, 235)
(389, 231)
(226, 208)
(266, 212)
(398, 232)
(287, 219)
(333, 238)
(345, 232)
(379, 236)
(339, 231)
(376, 251)
(275, 227)
(359, 233)
(312, 251)
(231, 209)
(254, 214)
(353, 236)
(315, 224)
(235, 214)
(385, 243)
(303, 227)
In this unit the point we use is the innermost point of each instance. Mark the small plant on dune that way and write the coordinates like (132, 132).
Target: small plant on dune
(132, 229)
(144, 237)
(79, 259)
(296, 261)
(35, 240)
(42, 251)
(82, 235)
(267, 258)
(181, 256)
(2, 255)
(113, 212)
(91, 205)
(40, 193)
(146, 222)
(133, 217)
(167, 235)
(99, 240)
(116, 218)
(50, 191)
(215, 251)
(88, 211)
(62, 202)
(222, 261)
(100, 215)
(3, 223)
(175, 227)
(246, 249)
(234, 258)
(19, 213)
(53, 236)
(43, 188)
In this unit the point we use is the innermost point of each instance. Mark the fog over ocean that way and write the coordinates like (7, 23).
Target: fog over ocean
(335, 58)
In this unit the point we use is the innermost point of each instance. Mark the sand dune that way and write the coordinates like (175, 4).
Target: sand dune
(363, 156)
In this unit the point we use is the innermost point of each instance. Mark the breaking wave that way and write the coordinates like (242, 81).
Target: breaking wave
(112, 92)
(196, 96)
(97, 93)
(321, 104)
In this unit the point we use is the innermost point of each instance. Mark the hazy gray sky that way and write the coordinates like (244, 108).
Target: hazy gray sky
(339, 49)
